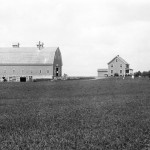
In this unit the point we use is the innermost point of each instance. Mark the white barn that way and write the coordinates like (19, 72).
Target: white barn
(29, 63)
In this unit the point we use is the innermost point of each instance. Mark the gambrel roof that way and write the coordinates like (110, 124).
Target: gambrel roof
(28, 55)
(118, 57)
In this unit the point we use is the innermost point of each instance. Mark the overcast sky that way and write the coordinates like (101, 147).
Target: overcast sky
(89, 32)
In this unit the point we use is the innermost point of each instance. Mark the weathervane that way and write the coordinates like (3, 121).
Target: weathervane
(40, 45)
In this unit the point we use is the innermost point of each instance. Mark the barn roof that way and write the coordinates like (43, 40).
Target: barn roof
(28, 55)
(118, 58)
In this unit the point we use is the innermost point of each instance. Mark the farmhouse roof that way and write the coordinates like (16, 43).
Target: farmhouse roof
(118, 58)
(28, 55)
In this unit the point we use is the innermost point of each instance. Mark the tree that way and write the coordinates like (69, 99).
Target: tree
(116, 74)
(137, 74)
(149, 74)
(144, 73)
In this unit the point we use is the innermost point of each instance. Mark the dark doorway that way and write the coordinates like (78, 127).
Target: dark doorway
(57, 71)
(22, 79)
(4, 79)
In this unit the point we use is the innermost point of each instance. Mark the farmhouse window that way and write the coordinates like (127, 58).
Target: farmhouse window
(121, 65)
(120, 71)
(111, 71)
(127, 66)
(111, 65)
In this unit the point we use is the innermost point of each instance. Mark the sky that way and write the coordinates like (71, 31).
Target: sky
(89, 33)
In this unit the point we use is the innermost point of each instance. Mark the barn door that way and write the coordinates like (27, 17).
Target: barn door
(57, 71)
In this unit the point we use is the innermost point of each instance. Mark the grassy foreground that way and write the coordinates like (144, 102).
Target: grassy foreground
(109, 114)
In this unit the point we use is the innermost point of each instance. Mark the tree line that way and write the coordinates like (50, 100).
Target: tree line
(142, 74)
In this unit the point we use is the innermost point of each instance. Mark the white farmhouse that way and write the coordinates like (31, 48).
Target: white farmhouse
(117, 66)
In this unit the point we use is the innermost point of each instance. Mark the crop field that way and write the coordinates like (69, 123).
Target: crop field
(108, 114)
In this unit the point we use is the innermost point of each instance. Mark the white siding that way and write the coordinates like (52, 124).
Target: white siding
(34, 71)
(116, 67)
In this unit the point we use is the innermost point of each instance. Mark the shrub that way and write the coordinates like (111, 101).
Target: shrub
(116, 74)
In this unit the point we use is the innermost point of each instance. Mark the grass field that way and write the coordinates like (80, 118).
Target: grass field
(109, 114)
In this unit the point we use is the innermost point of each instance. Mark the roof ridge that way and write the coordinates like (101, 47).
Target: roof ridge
(119, 58)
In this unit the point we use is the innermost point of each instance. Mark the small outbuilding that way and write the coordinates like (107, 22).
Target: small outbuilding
(102, 72)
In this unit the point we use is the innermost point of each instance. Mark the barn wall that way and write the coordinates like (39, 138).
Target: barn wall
(21, 71)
